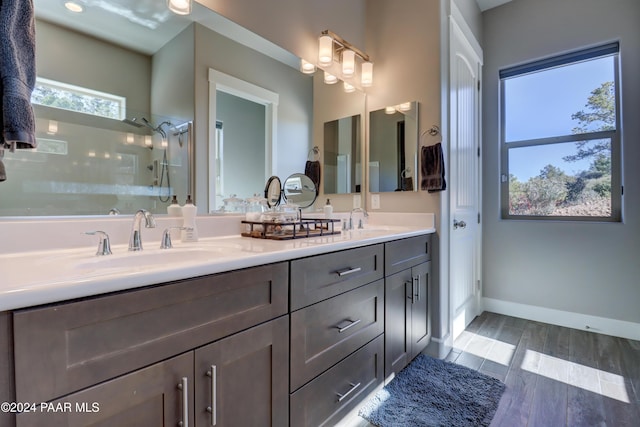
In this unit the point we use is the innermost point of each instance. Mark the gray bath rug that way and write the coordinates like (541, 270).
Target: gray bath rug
(431, 392)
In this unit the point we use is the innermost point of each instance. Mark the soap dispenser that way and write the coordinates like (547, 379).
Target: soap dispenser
(189, 231)
(328, 210)
(174, 208)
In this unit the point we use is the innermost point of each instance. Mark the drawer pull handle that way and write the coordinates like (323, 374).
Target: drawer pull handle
(341, 397)
(350, 325)
(347, 271)
(213, 374)
(185, 402)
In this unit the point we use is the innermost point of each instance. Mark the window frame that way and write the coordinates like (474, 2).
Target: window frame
(610, 49)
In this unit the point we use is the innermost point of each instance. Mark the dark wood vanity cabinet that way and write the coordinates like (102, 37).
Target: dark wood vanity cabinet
(143, 355)
(407, 298)
(298, 343)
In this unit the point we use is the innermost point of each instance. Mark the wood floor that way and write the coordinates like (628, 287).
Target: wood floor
(555, 376)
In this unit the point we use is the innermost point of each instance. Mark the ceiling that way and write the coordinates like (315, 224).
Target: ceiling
(489, 4)
(147, 25)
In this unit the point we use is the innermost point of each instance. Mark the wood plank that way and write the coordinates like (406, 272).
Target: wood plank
(515, 405)
(584, 407)
(618, 406)
(549, 404)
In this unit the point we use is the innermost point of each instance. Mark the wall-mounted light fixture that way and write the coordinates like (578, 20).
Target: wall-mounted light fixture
(74, 6)
(341, 60)
(53, 127)
(179, 7)
(307, 67)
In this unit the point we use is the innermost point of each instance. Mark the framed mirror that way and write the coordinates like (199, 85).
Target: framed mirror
(393, 148)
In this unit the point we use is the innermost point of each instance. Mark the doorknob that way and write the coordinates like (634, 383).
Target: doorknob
(459, 224)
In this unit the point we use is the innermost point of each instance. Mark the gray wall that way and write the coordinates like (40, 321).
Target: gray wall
(586, 268)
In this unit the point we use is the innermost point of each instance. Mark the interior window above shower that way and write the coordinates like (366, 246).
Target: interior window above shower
(65, 96)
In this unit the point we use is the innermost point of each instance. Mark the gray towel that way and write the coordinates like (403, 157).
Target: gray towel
(17, 75)
(432, 168)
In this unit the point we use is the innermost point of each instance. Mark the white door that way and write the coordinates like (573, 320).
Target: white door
(464, 156)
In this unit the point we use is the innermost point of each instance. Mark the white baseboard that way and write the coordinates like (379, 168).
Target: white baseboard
(585, 322)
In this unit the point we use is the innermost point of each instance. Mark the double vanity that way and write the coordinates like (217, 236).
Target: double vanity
(226, 331)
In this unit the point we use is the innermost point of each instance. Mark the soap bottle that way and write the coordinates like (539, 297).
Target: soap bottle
(328, 210)
(190, 232)
(174, 208)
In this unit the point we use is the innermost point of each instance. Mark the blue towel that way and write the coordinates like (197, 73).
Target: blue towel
(17, 75)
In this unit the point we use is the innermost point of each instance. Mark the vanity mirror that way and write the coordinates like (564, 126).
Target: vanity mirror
(158, 52)
(298, 189)
(393, 148)
(339, 129)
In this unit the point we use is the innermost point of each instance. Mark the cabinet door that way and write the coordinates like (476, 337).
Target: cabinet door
(243, 380)
(420, 318)
(153, 396)
(397, 320)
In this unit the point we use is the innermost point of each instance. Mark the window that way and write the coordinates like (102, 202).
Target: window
(75, 98)
(560, 137)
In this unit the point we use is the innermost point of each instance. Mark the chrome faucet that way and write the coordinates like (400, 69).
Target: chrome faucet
(364, 214)
(135, 242)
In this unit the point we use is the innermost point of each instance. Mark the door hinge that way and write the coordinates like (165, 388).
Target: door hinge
(478, 217)
(478, 285)
(478, 151)
(478, 85)
(622, 190)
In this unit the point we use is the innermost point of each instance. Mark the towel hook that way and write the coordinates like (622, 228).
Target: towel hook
(433, 131)
(316, 153)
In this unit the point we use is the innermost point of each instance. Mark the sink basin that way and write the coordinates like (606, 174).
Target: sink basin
(155, 257)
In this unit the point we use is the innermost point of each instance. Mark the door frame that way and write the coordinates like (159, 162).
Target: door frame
(451, 16)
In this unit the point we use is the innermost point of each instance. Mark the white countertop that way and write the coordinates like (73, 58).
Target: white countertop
(32, 278)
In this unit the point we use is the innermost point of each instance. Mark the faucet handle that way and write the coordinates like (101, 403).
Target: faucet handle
(104, 247)
(165, 243)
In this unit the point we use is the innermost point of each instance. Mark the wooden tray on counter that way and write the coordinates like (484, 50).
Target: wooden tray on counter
(302, 229)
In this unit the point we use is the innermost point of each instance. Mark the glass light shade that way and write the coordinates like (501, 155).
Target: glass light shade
(53, 127)
(405, 106)
(367, 74)
(330, 78)
(307, 67)
(390, 110)
(179, 7)
(129, 139)
(72, 6)
(348, 88)
(325, 50)
(148, 142)
(348, 63)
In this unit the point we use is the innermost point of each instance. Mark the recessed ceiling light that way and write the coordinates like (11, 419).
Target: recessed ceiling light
(73, 6)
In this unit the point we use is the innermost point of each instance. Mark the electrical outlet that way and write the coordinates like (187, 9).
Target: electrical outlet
(375, 201)
(357, 201)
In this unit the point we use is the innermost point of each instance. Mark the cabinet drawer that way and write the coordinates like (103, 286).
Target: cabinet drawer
(328, 398)
(66, 347)
(327, 332)
(320, 277)
(405, 253)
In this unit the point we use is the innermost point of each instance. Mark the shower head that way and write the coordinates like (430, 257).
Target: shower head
(132, 122)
